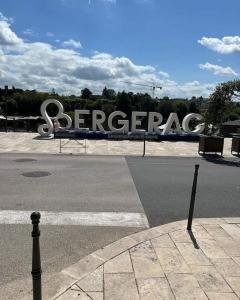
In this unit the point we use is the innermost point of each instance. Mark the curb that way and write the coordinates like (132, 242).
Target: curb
(61, 282)
(94, 260)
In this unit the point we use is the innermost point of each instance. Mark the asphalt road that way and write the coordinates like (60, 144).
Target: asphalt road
(73, 184)
(158, 187)
(164, 186)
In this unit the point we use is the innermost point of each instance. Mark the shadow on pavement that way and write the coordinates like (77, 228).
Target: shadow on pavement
(194, 241)
(38, 137)
(219, 160)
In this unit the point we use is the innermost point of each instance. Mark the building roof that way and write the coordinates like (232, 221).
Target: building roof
(11, 118)
(232, 123)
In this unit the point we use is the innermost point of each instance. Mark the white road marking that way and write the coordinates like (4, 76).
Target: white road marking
(121, 219)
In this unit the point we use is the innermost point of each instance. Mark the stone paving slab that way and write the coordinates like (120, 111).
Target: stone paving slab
(18, 142)
(162, 263)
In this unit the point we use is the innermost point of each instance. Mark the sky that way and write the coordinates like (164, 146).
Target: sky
(186, 47)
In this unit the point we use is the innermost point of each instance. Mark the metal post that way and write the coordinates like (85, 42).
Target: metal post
(36, 259)
(193, 195)
(6, 108)
(144, 143)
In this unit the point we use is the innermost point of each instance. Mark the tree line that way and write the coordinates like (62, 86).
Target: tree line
(19, 102)
(28, 102)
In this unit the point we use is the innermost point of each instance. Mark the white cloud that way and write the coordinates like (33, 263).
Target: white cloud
(49, 34)
(41, 66)
(103, 1)
(186, 90)
(103, 66)
(218, 70)
(8, 20)
(72, 44)
(143, 1)
(226, 45)
(109, 1)
(163, 74)
(193, 83)
(3, 18)
(29, 32)
(7, 36)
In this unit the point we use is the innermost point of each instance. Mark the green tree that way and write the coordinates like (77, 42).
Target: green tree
(124, 102)
(220, 100)
(165, 107)
(193, 107)
(108, 108)
(181, 109)
(86, 93)
(108, 94)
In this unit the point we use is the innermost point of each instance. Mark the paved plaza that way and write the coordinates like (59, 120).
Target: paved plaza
(16, 142)
(100, 197)
(165, 262)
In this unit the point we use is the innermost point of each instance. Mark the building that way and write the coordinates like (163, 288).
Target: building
(230, 128)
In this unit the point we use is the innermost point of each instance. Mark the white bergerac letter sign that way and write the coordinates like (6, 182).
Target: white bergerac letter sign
(153, 126)
(136, 122)
(173, 118)
(78, 120)
(185, 124)
(47, 129)
(124, 123)
(99, 118)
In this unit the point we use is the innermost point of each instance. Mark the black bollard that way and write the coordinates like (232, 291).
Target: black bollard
(193, 195)
(144, 144)
(36, 259)
(6, 108)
